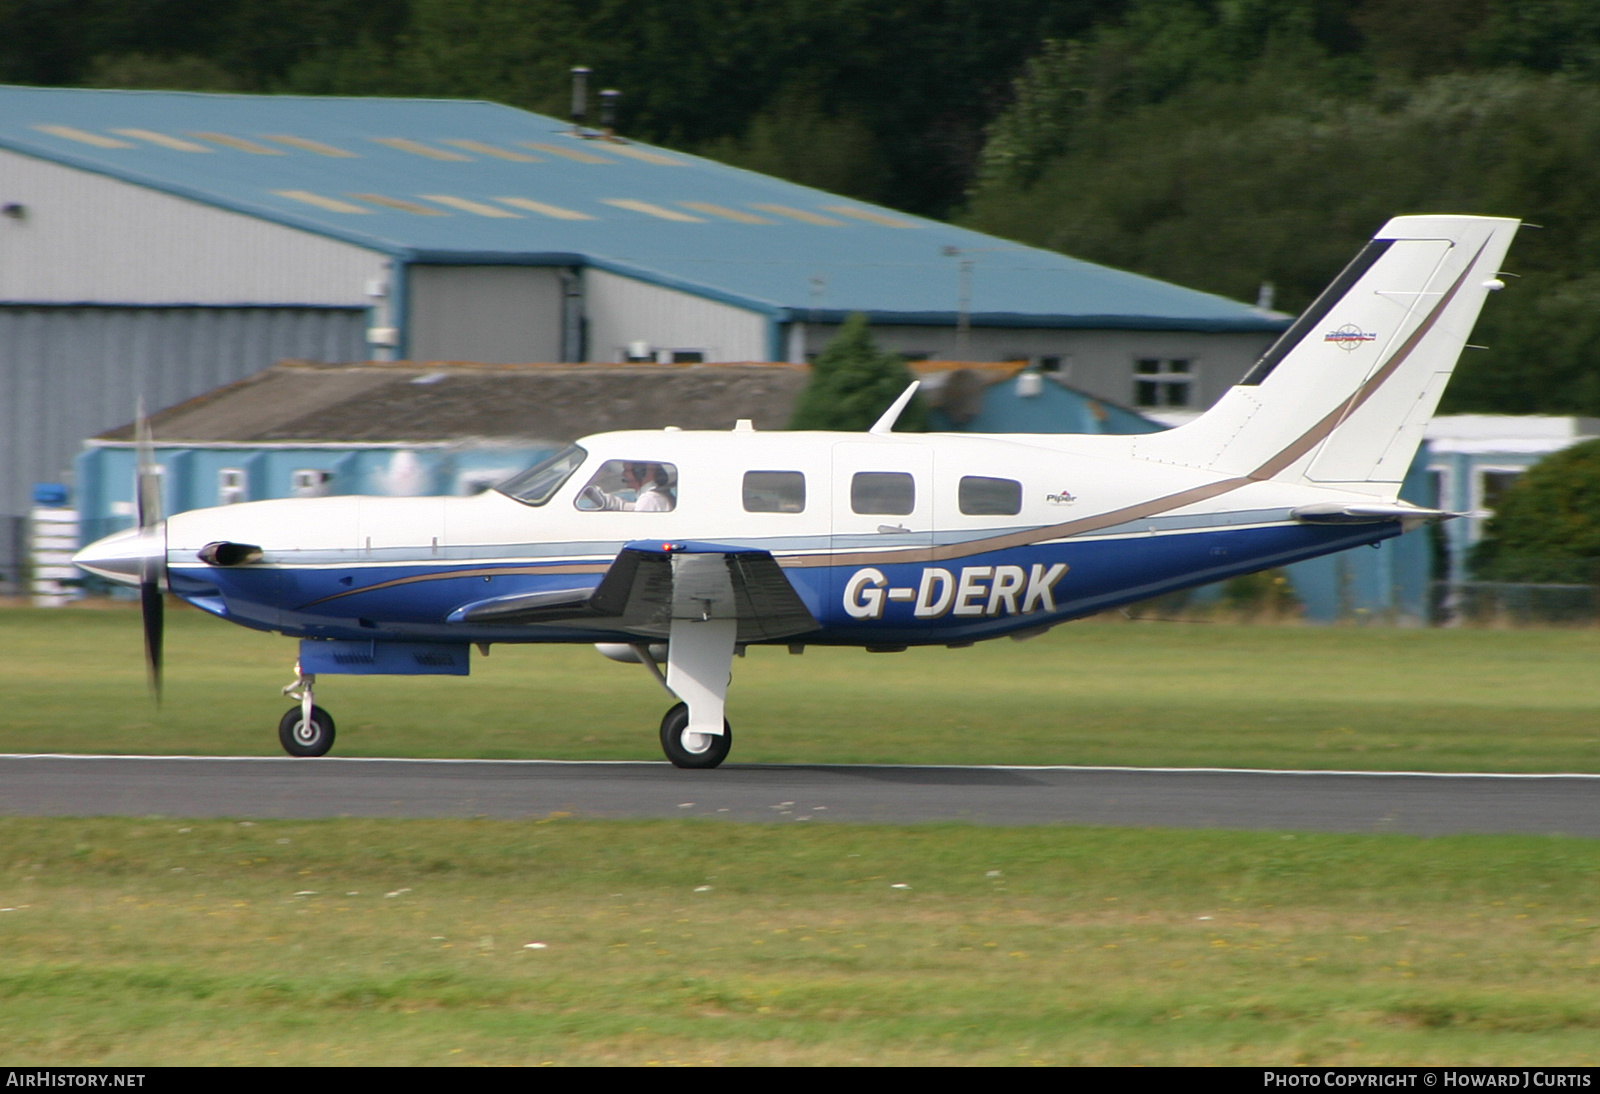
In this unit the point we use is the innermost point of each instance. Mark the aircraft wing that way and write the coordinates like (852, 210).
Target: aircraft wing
(650, 583)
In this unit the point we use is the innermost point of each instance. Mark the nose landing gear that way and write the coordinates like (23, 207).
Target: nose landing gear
(307, 729)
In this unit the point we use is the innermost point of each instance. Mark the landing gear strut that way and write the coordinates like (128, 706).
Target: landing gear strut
(307, 729)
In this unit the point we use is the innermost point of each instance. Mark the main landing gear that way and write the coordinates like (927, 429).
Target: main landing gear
(307, 729)
(694, 733)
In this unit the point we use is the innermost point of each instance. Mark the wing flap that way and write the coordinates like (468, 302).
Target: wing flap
(649, 584)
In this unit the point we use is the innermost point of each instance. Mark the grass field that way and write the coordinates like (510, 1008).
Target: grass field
(158, 941)
(1148, 694)
(141, 941)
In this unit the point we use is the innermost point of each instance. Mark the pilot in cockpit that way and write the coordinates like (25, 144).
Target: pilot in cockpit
(650, 484)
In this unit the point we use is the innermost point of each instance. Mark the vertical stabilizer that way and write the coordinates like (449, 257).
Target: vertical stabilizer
(1342, 397)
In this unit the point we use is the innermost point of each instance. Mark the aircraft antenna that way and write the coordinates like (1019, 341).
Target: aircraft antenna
(885, 424)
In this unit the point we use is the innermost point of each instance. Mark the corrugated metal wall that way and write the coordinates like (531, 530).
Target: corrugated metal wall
(85, 238)
(622, 310)
(69, 373)
(497, 314)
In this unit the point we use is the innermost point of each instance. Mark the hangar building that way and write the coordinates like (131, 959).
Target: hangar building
(160, 244)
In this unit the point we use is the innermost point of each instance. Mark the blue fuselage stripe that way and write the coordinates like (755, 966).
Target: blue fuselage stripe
(988, 594)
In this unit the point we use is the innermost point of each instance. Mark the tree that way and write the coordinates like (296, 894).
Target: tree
(1547, 527)
(853, 382)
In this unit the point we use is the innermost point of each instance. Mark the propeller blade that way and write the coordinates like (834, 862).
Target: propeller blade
(147, 488)
(153, 566)
(152, 607)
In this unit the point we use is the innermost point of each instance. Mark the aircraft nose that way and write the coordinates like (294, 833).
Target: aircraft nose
(118, 557)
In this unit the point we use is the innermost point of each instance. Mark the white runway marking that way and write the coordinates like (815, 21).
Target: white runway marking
(447, 760)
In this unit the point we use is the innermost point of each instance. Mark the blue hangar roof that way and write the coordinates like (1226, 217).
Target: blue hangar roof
(459, 182)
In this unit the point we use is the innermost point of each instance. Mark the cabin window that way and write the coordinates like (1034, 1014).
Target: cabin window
(539, 483)
(774, 492)
(984, 497)
(883, 493)
(632, 486)
(1162, 382)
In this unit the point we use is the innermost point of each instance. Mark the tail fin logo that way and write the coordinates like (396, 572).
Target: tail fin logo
(1349, 337)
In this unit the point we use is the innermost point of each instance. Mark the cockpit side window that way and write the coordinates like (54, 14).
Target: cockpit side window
(539, 483)
(634, 486)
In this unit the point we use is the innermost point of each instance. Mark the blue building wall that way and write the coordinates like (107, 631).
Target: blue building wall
(1387, 583)
(192, 475)
(1055, 408)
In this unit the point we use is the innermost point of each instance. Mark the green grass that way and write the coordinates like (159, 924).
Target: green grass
(158, 942)
(155, 941)
(1149, 694)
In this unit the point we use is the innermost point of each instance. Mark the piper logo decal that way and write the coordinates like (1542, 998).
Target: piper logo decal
(1349, 337)
(979, 591)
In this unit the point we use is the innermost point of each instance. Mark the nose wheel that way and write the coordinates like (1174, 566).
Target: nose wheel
(305, 729)
(687, 749)
(301, 737)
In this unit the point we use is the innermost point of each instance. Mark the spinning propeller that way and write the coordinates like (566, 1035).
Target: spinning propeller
(153, 549)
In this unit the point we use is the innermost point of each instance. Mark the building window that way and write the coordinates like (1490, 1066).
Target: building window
(1162, 382)
(774, 492)
(1492, 486)
(311, 483)
(231, 488)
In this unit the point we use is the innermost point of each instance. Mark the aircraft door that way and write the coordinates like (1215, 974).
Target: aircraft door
(882, 512)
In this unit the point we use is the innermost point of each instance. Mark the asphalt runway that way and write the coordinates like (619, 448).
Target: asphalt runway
(247, 787)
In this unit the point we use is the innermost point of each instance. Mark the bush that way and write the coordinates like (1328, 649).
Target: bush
(853, 383)
(1547, 528)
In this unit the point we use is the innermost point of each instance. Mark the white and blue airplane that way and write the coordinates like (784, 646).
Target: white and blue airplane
(678, 549)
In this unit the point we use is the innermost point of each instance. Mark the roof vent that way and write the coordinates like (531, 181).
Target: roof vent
(580, 98)
(608, 111)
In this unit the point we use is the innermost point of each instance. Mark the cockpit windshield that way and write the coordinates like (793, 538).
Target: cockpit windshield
(539, 483)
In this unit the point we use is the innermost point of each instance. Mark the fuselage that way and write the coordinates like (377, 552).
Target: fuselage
(889, 539)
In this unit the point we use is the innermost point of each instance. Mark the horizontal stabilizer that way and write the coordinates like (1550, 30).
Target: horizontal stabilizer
(1368, 514)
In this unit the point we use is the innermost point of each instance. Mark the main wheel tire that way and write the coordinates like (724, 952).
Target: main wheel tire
(685, 749)
(299, 739)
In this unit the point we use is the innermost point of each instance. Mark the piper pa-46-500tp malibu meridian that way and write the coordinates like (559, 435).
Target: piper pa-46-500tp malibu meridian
(682, 547)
